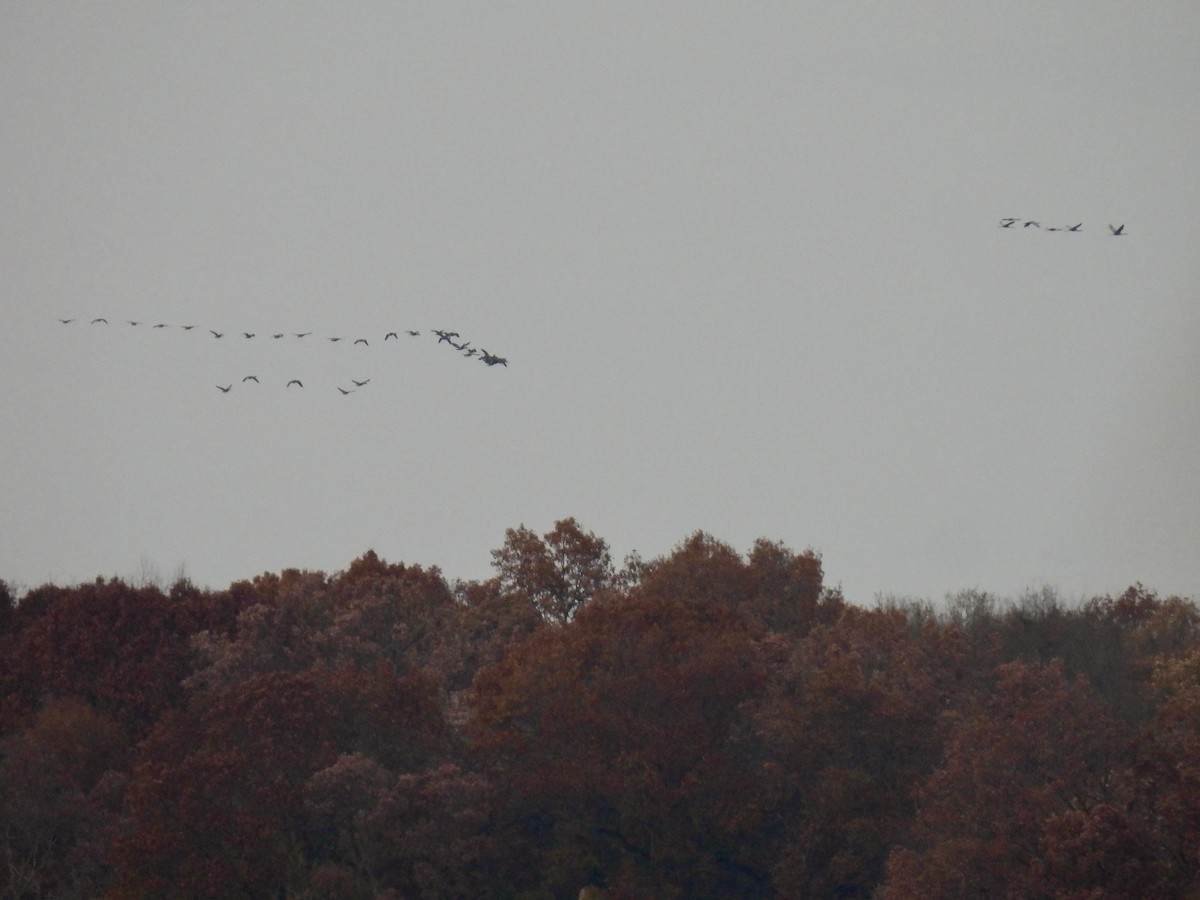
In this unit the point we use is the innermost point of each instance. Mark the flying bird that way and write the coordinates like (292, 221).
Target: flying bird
(253, 378)
(216, 334)
(361, 383)
(224, 390)
(1007, 223)
(94, 321)
(304, 334)
(247, 334)
(335, 340)
(1118, 231)
(344, 391)
(362, 341)
(295, 381)
(391, 334)
(187, 327)
(66, 321)
(1034, 224)
(277, 336)
(131, 322)
(445, 336)
(161, 325)
(1075, 227)
(414, 333)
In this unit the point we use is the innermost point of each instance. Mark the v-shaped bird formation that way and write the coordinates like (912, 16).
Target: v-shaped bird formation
(452, 339)
(1015, 224)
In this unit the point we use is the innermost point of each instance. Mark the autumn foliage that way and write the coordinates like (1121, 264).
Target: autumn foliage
(703, 724)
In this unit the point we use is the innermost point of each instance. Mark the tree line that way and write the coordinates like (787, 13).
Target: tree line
(702, 724)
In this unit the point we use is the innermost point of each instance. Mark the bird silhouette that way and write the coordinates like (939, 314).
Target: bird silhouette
(1034, 224)
(391, 334)
(1007, 223)
(362, 341)
(66, 321)
(247, 334)
(253, 378)
(1075, 227)
(224, 390)
(216, 334)
(161, 325)
(187, 327)
(445, 336)
(295, 381)
(344, 391)
(334, 340)
(1118, 231)
(131, 322)
(361, 383)
(304, 334)
(277, 336)
(414, 333)
(95, 321)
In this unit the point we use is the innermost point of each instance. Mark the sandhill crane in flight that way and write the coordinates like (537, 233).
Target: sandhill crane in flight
(391, 334)
(253, 378)
(445, 336)
(304, 334)
(362, 341)
(414, 333)
(216, 334)
(344, 391)
(247, 334)
(334, 340)
(295, 381)
(161, 325)
(277, 336)
(1118, 231)
(187, 327)
(361, 383)
(99, 321)
(1007, 223)
(1034, 224)
(1075, 227)
(224, 390)
(131, 322)
(66, 321)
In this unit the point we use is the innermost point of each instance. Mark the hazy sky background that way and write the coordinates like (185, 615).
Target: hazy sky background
(743, 259)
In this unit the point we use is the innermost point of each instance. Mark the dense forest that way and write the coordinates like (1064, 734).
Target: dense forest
(702, 724)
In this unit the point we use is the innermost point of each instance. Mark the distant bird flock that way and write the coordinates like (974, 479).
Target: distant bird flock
(452, 339)
(1018, 224)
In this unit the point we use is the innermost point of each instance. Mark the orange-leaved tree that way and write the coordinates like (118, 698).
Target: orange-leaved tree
(851, 724)
(1037, 754)
(558, 572)
(617, 743)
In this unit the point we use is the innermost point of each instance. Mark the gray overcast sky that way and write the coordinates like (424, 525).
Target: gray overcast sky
(743, 259)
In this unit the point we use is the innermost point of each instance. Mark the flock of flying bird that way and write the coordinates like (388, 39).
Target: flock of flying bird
(1117, 230)
(464, 348)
